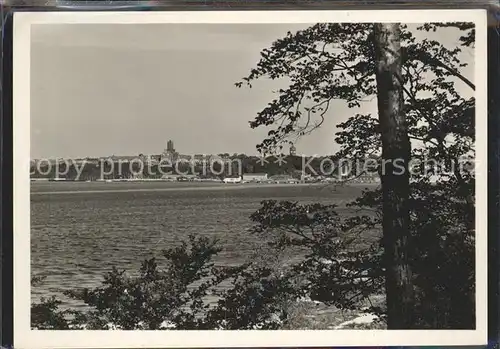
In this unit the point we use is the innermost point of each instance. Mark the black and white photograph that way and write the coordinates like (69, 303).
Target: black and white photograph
(312, 170)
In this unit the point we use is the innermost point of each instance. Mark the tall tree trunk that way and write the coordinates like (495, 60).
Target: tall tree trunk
(395, 177)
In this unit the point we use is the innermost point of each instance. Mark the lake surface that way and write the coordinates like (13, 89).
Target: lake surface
(81, 230)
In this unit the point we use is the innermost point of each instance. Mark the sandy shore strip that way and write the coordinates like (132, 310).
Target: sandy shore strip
(180, 188)
(194, 188)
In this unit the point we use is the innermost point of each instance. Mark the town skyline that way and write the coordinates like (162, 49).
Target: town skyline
(289, 149)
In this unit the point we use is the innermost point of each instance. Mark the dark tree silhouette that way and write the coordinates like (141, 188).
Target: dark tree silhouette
(395, 181)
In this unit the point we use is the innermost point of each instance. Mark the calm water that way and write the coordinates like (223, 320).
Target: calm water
(80, 230)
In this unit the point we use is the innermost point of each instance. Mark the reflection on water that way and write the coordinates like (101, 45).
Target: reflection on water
(75, 237)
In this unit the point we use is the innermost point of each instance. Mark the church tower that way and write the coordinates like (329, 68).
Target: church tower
(170, 147)
(169, 152)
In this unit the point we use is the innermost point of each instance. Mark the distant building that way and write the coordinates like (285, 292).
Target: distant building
(368, 178)
(169, 153)
(232, 180)
(255, 177)
(179, 177)
(170, 146)
(283, 179)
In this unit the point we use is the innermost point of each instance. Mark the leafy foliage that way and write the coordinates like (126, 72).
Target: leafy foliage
(339, 266)
(173, 297)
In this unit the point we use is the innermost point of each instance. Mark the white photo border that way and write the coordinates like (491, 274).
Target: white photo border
(25, 338)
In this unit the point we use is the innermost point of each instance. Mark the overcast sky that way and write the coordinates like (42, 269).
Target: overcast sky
(99, 90)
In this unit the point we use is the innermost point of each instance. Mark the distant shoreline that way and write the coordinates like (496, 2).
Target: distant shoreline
(185, 187)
